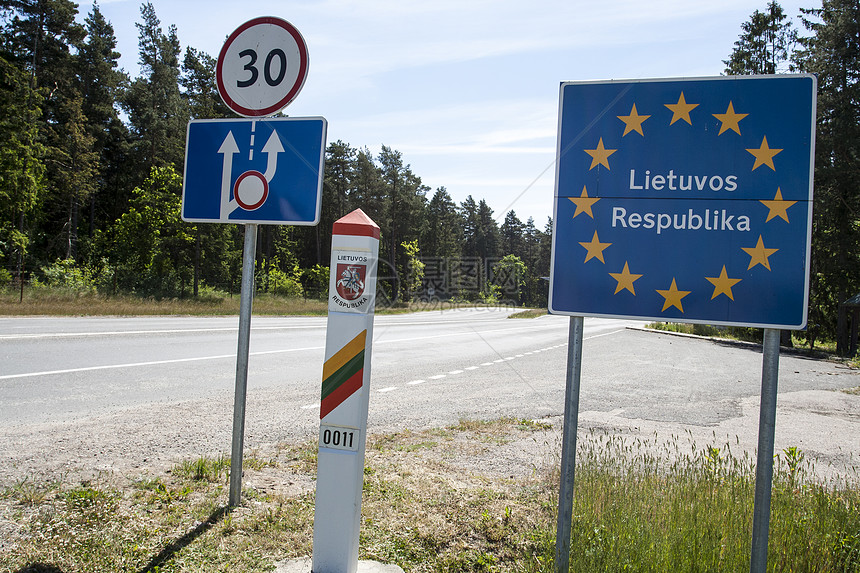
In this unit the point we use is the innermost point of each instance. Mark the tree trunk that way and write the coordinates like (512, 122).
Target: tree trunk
(72, 245)
(197, 263)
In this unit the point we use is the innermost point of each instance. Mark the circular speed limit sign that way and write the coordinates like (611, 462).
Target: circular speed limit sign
(262, 67)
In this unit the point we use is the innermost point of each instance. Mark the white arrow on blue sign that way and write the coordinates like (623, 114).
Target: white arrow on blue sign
(263, 171)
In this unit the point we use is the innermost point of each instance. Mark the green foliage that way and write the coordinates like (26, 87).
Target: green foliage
(66, 275)
(149, 248)
(412, 270)
(315, 281)
(80, 182)
(276, 281)
(509, 275)
(22, 170)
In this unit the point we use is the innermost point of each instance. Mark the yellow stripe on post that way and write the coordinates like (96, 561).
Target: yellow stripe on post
(344, 355)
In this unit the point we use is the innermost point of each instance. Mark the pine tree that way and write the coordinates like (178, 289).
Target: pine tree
(442, 244)
(155, 107)
(407, 204)
(337, 188)
(368, 192)
(512, 235)
(766, 44)
(443, 238)
(200, 89)
(489, 240)
(833, 54)
(41, 36)
(22, 172)
(102, 83)
(80, 167)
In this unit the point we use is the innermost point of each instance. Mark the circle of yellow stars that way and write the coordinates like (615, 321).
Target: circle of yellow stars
(759, 254)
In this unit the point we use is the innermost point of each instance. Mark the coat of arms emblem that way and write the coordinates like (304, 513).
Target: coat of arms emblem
(350, 282)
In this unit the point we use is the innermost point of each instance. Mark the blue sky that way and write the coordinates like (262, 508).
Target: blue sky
(466, 90)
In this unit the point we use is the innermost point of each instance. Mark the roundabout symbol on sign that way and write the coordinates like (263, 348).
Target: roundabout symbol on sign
(262, 67)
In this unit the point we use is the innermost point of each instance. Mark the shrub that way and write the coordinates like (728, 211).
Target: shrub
(282, 284)
(64, 274)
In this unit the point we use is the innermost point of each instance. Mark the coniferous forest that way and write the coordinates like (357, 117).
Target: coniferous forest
(91, 174)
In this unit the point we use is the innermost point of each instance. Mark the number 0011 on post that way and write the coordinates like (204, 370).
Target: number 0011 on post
(339, 438)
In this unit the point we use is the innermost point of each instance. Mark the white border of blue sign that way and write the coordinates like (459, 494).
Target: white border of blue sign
(580, 139)
(296, 199)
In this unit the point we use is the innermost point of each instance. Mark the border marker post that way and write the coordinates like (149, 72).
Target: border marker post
(345, 393)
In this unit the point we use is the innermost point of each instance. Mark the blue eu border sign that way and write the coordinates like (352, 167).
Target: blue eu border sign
(685, 200)
(254, 170)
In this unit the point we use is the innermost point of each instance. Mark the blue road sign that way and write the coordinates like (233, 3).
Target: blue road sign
(685, 200)
(254, 170)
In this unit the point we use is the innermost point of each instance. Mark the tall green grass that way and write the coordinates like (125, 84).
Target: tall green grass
(643, 505)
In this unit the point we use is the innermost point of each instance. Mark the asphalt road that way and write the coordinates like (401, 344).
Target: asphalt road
(60, 370)
(128, 393)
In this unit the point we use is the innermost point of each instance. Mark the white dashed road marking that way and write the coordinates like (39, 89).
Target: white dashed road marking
(468, 368)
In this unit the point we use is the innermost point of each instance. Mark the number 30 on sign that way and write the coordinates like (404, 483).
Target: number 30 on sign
(262, 67)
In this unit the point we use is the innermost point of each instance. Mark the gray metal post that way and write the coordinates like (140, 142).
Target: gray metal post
(568, 445)
(764, 462)
(245, 305)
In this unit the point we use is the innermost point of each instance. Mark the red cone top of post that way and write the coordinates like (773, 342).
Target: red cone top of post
(356, 223)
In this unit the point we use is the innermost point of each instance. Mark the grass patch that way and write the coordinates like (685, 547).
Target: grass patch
(205, 469)
(52, 302)
(706, 330)
(60, 302)
(529, 313)
(639, 505)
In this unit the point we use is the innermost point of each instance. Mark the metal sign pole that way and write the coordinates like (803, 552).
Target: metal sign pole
(764, 462)
(245, 305)
(568, 444)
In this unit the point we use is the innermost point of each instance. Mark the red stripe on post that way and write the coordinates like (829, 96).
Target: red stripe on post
(339, 396)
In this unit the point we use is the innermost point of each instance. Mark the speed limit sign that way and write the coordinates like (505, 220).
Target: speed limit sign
(262, 67)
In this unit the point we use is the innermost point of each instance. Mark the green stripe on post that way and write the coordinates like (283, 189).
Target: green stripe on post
(343, 374)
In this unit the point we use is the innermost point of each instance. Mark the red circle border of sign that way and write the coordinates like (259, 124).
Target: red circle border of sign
(258, 204)
(294, 91)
